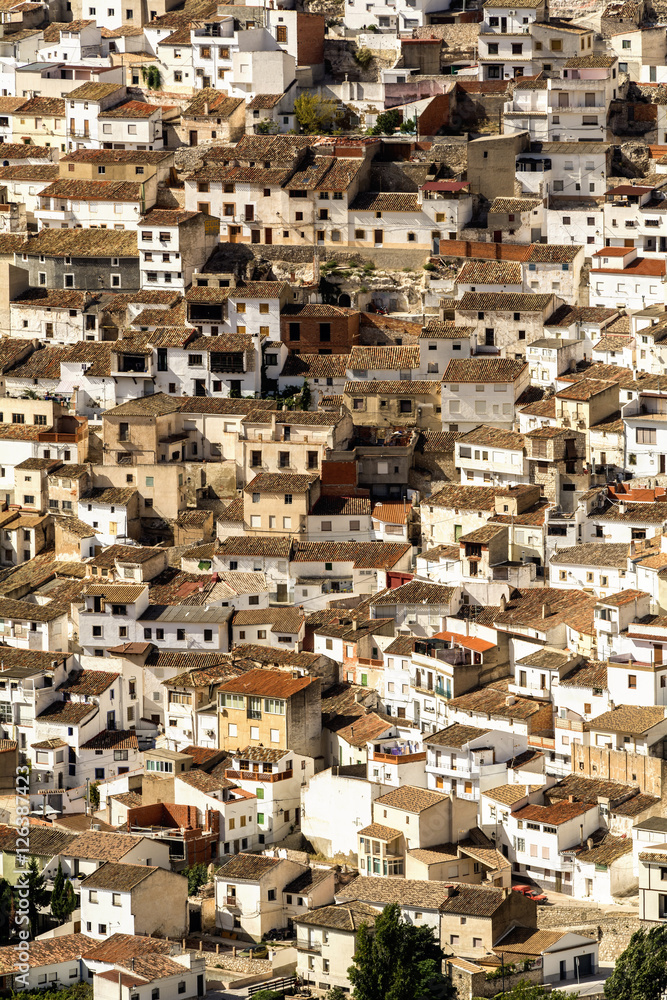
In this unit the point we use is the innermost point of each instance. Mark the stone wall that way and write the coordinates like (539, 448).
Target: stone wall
(613, 929)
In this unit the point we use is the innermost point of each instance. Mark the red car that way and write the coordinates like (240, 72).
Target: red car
(531, 893)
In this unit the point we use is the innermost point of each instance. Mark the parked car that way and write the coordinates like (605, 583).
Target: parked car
(255, 951)
(525, 890)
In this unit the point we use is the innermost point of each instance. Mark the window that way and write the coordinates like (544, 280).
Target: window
(646, 435)
(632, 681)
(115, 899)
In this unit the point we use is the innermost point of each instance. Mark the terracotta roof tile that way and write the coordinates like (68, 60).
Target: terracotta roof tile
(487, 370)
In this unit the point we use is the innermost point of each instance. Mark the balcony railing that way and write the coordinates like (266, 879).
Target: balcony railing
(313, 947)
(259, 776)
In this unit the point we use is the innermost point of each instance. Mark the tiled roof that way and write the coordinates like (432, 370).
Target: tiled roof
(513, 205)
(118, 877)
(411, 799)
(287, 620)
(275, 657)
(82, 190)
(274, 547)
(315, 366)
(527, 941)
(343, 917)
(282, 482)
(589, 790)
(438, 442)
(494, 437)
(490, 272)
(42, 106)
(464, 497)
(373, 201)
(483, 369)
(627, 719)
(584, 389)
(66, 713)
(593, 554)
(247, 866)
(29, 172)
(93, 91)
(94, 845)
(553, 815)
(113, 739)
(386, 388)
(384, 358)
(650, 513)
(507, 795)
(152, 156)
(88, 682)
(416, 592)
(266, 754)
(44, 840)
(455, 736)
(264, 102)
(334, 505)
(24, 151)
(604, 850)
(210, 102)
(437, 329)
(546, 658)
(131, 109)
(267, 683)
(363, 728)
(363, 555)
(303, 884)
(492, 701)
(52, 951)
(406, 892)
(593, 61)
(520, 302)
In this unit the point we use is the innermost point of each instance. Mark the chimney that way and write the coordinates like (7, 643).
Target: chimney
(528, 787)
(581, 834)
(546, 610)
(206, 106)
(355, 624)
(589, 843)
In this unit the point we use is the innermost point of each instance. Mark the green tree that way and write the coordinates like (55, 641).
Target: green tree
(267, 127)
(316, 115)
(6, 910)
(197, 876)
(641, 971)
(38, 895)
(306, 395)
(525, 990)
(94, 795)
(410, 125)
(63, 897)
(386, 123)
(398, 961)
(336, 993)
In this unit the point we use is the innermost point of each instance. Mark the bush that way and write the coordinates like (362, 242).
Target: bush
(430, 267)
(364, 57)
(268, 995)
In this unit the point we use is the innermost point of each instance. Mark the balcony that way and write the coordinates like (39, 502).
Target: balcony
(232, 902)
(259, 775)
(312, 947)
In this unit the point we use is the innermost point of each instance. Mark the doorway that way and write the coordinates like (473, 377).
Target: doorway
(378, 235)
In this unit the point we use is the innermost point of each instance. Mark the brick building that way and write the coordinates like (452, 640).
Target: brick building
(316, 328)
